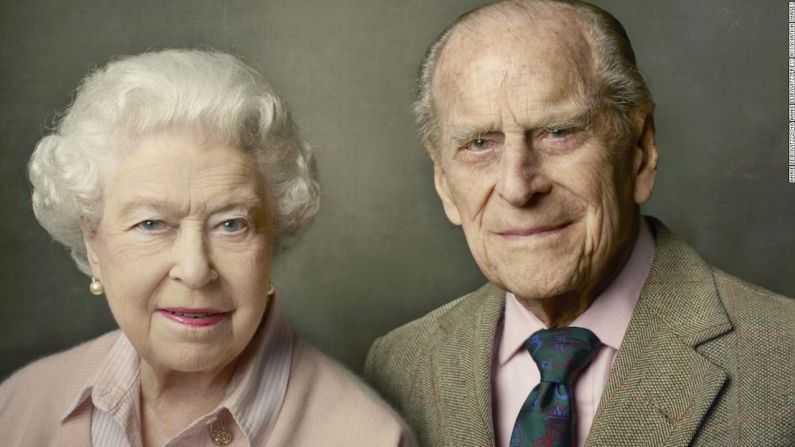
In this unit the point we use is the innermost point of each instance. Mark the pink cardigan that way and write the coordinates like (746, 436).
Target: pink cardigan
(324, 404)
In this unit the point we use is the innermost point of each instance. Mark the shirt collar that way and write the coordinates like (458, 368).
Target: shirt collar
(117, 374)
(257, 390)
(607, 317)
(254, 395)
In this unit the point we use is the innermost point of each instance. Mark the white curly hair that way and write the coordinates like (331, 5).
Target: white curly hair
(207, 93)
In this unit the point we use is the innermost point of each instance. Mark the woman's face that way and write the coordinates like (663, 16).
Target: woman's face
(184, 251)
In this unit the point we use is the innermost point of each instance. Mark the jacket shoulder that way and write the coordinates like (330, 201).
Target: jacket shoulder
(407, 341)
(753, 308)
(396, 359)
(404, 340)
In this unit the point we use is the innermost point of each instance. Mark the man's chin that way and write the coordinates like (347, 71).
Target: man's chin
(539, 289)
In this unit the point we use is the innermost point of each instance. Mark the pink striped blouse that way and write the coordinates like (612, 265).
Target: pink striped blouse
(247, 412)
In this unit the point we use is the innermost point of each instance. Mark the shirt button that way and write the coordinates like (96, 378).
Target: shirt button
(219, 435)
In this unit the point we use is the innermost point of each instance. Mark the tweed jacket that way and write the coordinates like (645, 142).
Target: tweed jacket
(707, 360)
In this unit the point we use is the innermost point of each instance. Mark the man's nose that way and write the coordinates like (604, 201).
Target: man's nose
(521, 175)
(191, 260)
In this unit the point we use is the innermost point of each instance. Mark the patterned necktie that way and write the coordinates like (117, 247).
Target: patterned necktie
(546, 417)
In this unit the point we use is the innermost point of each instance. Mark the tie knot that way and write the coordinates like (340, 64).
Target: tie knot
(561, 353)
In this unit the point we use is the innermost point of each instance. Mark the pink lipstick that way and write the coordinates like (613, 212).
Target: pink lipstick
(193, 317)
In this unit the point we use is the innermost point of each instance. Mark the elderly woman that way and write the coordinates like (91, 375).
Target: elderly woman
(173, 178)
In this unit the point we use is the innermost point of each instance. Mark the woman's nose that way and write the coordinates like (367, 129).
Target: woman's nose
(191, 260)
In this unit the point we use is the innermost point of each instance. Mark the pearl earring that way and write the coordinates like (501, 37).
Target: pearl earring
(271, 291)
(96, 287)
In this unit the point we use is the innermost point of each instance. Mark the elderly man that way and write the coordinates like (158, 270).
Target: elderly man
(598, 327)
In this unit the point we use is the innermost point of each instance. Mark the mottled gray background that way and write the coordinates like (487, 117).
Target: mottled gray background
(381, 251)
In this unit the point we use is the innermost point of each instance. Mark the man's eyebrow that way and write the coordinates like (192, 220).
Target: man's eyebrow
(465, 132)
(577, 118)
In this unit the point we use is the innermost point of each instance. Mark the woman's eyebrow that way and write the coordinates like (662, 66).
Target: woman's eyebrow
(243, 203)
(160, 206)
(148, 204)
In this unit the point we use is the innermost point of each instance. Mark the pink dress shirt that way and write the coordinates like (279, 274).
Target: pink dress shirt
(247, 412)
(515, 372)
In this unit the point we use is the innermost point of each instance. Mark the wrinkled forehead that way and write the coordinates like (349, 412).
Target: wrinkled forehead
(176, 158)
(547, 53)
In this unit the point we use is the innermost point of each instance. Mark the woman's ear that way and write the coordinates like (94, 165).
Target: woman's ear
(90, 241)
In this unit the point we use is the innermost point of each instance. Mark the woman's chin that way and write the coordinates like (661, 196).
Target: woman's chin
(191, 349)
(190, 359)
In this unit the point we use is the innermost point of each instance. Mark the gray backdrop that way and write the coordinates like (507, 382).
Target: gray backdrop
(381, 251)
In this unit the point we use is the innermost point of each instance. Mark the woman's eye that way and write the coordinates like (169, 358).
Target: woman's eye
(152, 225)
(234, 225)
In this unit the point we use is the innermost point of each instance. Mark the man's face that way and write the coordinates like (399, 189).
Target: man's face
(545, 194)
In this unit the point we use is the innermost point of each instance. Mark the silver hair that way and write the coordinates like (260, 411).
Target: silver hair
(209, 94)
(623, 89)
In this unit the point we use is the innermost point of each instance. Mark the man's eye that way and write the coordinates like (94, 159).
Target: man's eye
(152, 225)
(234, 225)
(558, 133)
(480, 144)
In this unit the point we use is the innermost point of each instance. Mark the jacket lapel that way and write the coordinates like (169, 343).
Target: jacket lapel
(660, 387)
(462, 361)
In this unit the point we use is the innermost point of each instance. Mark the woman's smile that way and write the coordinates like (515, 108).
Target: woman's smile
(193, 317)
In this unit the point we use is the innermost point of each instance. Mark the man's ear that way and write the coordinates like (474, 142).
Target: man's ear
(440, 182)
(90, 240)
(645, 156)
